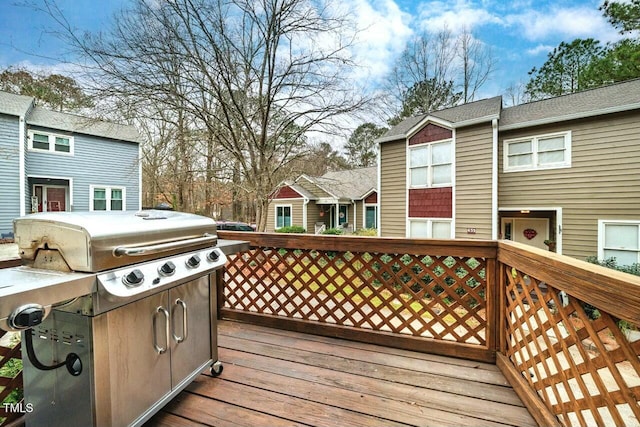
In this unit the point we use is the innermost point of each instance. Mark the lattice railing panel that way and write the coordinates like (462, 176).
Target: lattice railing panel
(423, 296)
(10, 376)
(581, 362)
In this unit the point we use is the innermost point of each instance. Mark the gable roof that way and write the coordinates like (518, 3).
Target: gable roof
(480, 111)
(15, 105)
(614, 98)
(84, 125)
(351, 184)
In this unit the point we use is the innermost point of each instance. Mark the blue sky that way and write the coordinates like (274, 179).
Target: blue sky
(520, 33)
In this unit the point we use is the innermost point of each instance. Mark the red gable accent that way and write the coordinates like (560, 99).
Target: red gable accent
(372, 198)
(431, 203)
(430, 133)
(286, 193)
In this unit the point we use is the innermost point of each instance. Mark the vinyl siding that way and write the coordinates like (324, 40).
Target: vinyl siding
(313, 216)
(393, 191)
(602, 183)
(473, 181)
(9, 172)
(357, 211)
(96, 161)
(312, 188)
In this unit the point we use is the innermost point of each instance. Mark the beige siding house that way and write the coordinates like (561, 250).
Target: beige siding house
(561, 173)
(344, 199)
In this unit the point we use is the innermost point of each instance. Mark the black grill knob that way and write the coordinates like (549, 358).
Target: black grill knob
(134, 278)
(167, 269)
(213, 256)
(193, 261)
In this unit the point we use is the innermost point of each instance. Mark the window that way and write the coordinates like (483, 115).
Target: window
(43, 141)
(430, 165)
(619, 240)
(343, 214)
(430, 228)
(283, 216)
(370, 216)
(108, 198)
(541, 152)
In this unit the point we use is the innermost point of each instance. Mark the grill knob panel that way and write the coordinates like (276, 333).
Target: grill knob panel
(213, 256)
(133, 279)
(193, 261)
(167, 269)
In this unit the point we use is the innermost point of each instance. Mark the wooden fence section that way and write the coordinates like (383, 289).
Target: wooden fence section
(430, 296)
(574, 355)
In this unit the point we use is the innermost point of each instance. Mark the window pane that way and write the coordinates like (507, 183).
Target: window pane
(116, 205)
(99, 193)
(419, 229)
(99, 205)
(549, 144)
(40, 141)
(520, 148)
(622, 257)
(62, 145)
(522, 160)
(116, 194)
(441, 230)
(370, 217)
(621, 236)
(287, 216)
(442, 174)
(419, 156)
(551, 157)
(419, 176)
(441, 153)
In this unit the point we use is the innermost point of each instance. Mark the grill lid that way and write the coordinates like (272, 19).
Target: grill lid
(98, 241)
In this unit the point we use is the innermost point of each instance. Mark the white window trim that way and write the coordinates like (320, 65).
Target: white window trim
(429, 166)
(108, 189)
(429, 222)
(52, 142)
(534, 139)
(275, 215)
(601, 235)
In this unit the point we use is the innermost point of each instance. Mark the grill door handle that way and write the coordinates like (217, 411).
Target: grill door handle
(183, 304)
(167, 332)
(163, 247)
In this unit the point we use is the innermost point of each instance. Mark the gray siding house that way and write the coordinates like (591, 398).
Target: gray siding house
(51, 161)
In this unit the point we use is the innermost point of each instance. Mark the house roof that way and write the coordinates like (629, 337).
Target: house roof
(15, 105)
(84, 125)
(617, 97)
(351, 184)
(461, 115)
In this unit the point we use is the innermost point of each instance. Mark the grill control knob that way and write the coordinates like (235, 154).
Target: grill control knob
(213, 255)
(193, 261)
(134, 278)
(167, 269)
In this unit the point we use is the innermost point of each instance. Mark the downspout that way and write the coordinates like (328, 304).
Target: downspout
(355, 215)
(21, 165)
(494, 182)
(378, 192)
(305, 202)
(139, 176)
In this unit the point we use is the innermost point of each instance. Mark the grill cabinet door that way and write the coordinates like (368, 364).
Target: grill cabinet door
(136, 374)
(191, 346)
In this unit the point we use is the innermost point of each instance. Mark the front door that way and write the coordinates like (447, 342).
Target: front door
(51, 198)
(530, 231)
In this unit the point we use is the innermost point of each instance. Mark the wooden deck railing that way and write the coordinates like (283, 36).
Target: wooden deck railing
(571, 364)
(561, 330)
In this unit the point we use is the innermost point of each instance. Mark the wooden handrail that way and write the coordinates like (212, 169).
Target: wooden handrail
(613, 291)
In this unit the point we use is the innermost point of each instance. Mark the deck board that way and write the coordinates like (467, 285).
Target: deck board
(279, 378)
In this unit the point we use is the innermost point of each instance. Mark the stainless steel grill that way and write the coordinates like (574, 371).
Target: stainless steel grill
(118, 312)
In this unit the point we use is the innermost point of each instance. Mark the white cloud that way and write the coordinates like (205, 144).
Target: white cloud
(455, 15)
(566, 23)
(383, 30)
(541, 48)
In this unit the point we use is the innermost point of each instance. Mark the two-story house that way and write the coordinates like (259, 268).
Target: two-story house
(562, 171)
(52, 161)
(340, 199)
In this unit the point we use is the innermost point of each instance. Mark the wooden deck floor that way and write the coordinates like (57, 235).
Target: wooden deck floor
(276, 378)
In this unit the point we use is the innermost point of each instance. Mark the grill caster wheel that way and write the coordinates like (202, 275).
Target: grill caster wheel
(216, 369)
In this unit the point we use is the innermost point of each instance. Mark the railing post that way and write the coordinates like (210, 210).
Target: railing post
(494, 305)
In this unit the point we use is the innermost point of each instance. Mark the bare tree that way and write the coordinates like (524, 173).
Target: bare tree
(477, 63)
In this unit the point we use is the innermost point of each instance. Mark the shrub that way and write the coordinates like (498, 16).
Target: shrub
(333, 231)
(369, 232)
(292, 229)
(613, 264)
